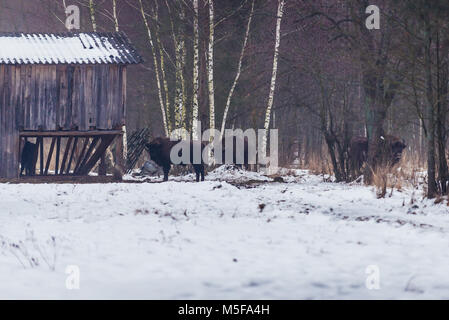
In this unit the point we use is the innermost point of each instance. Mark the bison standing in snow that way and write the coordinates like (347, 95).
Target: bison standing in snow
(27, 159)
(392, 148)
(160, 150)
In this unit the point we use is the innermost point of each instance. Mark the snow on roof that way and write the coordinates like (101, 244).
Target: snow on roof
(67, 48)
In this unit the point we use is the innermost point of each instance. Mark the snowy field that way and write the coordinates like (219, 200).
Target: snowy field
(301, 239)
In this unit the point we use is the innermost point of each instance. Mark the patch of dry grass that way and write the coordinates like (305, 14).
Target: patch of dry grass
(320, 165)
(408, 173)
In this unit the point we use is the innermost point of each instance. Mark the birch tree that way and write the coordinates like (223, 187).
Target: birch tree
(196, 82)
(163, 67)
(239, 70)
(92, 15)
(156, 68)
(180, 80)
(280, 12)
(210, 67)
(178, 37)
(114, 14)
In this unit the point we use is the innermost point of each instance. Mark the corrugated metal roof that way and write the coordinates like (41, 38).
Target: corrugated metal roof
(67, 48)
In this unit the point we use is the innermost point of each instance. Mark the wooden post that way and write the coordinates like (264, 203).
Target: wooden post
(66, 154)
(50, 155)
(35, 157)
(58, 150)
(119, 159)
(41, 156)
(19, 156)
(75, 143)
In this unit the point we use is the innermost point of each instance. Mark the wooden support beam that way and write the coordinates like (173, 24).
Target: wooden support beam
(50, 155)
(20, 151)
(41, 147)
(119, 157)
(66, 154)
(36, 153)
(87, 156)
(80, 158)
(69, 133)
(58, 151)
(75, 143)
(105, 142)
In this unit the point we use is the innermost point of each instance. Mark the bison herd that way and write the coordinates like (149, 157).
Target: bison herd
(160, 150)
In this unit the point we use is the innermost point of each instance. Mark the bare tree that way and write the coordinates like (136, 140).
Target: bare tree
(280, 13)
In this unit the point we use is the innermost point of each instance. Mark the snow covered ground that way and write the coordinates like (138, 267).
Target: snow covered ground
(302, 239)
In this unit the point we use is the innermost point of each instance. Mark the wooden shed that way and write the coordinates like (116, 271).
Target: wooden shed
(65, 95)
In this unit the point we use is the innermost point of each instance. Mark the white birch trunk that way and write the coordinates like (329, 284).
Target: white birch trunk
(210, 67)
(180, 82)
(183, 65)
(114, 13)
(178, 35)
(163, 74)
(239, 70)
(164, 81)
(280, 13)
(196, 83)
(92, 15)
(156, 69)
(176, 64)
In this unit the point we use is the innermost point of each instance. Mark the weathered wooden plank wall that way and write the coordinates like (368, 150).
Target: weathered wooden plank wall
(60, 97)
(57, 97)
(9, 134)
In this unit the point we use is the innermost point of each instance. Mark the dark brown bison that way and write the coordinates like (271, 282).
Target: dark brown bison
(358, 153)
(160, 149)
(240, 156)
(28, 158)
(391, 147)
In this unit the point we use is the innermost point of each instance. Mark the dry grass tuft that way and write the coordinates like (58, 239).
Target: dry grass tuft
(320, 165)
(381, 180)
(408, 173)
